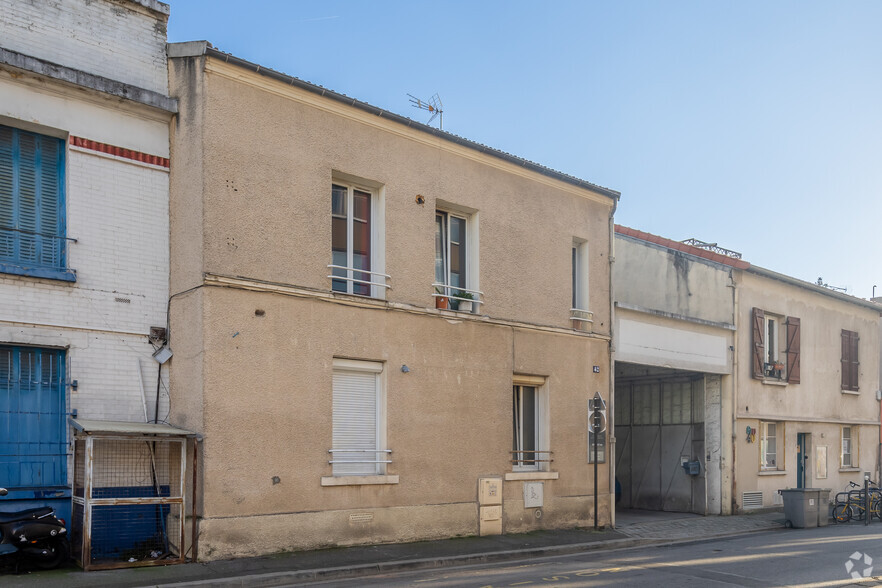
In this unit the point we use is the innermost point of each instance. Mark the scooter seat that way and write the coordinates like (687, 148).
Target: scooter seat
(21, 515)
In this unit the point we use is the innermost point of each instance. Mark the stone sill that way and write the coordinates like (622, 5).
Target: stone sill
(358, 480)
(773, 473)
(514, 476)
(851, 392)
(775, 382)
(849, 470)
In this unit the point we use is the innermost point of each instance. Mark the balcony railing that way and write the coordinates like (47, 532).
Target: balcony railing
(366, 460)
(519, 458)
(453, 295)
(350, 272)
(581, 319)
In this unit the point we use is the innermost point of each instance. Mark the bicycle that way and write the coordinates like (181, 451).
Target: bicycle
(851, 504)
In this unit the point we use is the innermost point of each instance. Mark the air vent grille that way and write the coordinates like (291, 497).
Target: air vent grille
(752, 499)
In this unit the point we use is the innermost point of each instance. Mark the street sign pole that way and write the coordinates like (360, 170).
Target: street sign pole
(596, 422)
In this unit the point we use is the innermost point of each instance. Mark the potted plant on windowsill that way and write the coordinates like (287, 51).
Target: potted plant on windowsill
(440, 301)
(461, 301)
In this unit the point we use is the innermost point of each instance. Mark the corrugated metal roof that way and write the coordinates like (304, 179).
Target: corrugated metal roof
(89, 427)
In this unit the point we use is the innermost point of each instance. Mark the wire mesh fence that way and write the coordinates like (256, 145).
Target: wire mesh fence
(128, 501)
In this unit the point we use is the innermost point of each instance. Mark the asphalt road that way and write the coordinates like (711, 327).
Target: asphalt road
(791, 557)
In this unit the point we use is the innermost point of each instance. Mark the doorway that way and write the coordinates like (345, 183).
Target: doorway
(660, 432)
(802, 459)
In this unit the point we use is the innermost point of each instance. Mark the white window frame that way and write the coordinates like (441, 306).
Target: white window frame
(779, 445)
(580, 277)
(379, 452)
(378, 278)
(472, 256)
(773, 353)
(850, 442)
(540, 425)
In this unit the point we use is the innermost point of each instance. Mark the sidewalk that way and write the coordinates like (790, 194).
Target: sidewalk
(288, 568)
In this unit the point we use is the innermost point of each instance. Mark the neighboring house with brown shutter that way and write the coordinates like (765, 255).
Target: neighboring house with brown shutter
(807, 413)
(705, 342)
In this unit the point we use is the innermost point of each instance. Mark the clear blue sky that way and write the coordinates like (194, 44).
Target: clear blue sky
(754, 124)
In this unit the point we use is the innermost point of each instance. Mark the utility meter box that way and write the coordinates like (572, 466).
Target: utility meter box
(489, 491)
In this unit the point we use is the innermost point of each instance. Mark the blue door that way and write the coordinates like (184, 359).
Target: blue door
(33, 428)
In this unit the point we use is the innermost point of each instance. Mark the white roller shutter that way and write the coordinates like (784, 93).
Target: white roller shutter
(356, 438)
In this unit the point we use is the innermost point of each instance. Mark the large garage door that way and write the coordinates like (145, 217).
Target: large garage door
(659, 424)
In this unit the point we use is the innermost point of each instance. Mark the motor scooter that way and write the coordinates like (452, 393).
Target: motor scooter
(35, 535)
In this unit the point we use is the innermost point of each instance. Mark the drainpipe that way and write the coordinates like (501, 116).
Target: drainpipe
(611, 394)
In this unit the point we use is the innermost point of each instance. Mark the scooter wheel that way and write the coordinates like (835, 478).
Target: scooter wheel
(60, 548)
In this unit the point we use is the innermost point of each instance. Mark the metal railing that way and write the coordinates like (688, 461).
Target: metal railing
(33, 247)
(374, 451)
(517, 460)
(451, 293)
(353, 270)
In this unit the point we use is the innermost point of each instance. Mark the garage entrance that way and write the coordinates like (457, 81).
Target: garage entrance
(660, 439)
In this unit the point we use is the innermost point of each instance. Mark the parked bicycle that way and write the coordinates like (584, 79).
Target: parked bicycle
(852, 503)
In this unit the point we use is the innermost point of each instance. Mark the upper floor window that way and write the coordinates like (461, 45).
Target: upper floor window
(776, 347)
(581, 317)
(455, 261)
(32, 213)
(850, 363)
(355, 241)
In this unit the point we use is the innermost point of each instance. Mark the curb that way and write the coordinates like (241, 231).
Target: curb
(274, 579)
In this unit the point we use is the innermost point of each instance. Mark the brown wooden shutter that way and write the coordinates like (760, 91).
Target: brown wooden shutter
(855, 362)
(850, 363)
(793, 337)
(759, 324)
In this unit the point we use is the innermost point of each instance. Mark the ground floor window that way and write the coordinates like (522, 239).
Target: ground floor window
(529, 427)
(358, 419)
(771, 448)
(849, 447)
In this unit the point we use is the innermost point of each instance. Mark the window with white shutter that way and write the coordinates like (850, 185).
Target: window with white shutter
(358, 419)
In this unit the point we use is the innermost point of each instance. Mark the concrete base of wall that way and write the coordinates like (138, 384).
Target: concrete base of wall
(249, 536)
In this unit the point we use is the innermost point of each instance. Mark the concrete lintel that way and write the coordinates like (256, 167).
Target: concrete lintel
(675, 316)
(186, 49)
(83, 79)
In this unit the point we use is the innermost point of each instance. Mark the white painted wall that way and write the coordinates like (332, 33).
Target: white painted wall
(645, 339)
(120, 40)
(117, 209)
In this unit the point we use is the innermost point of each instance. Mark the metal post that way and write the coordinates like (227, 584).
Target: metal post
(596, 430)
(867, 514)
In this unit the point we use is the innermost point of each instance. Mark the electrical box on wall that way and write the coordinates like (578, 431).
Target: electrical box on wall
(533, 494)
(489, 491)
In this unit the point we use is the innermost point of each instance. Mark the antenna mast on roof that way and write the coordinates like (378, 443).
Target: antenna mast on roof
(433, 105)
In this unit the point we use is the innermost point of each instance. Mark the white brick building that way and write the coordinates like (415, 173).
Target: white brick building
(84, 119)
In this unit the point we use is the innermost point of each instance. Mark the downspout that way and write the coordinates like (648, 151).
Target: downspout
(611, 394)
(733, 437)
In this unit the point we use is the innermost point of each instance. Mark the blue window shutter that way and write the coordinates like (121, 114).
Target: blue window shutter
(7, 221)
(32, 227)
(49, 201)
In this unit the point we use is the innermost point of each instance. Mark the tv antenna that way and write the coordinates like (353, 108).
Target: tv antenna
(433, 105)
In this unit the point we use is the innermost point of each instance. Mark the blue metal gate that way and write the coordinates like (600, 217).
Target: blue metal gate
(33, 428)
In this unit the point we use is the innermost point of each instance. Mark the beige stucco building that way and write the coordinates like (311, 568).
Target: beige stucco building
(768, 382)
(318, 247)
